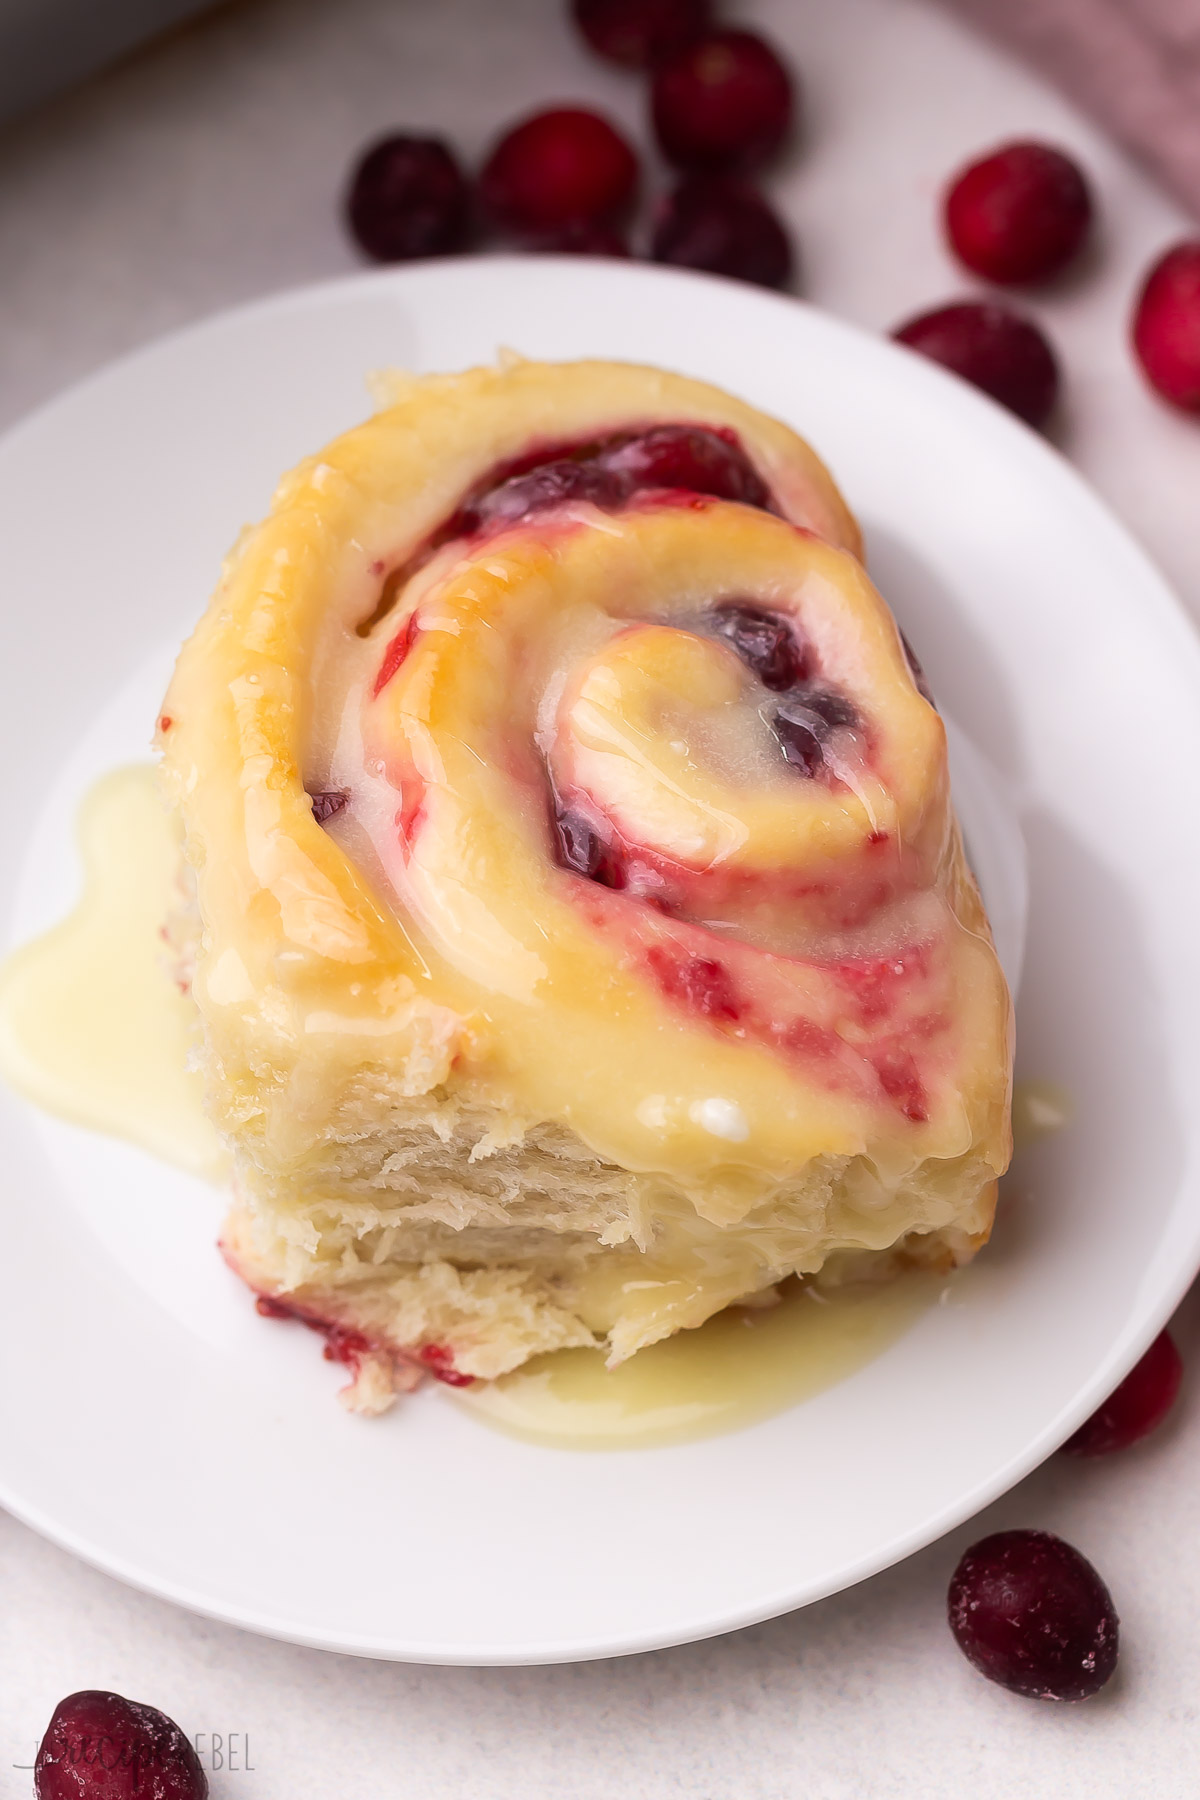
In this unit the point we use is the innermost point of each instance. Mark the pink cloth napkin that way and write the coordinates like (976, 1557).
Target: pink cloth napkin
(1133, 64)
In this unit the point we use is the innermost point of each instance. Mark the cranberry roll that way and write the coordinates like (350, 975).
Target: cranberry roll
(583, 940)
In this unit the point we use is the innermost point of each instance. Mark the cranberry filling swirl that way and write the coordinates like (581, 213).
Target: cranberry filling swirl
(644, 765)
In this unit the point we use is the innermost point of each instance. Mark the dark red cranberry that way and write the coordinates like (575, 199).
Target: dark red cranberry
(992, 347)
(588, 237)
(562, 167)
(765, 642)
(327, 801)
(639, 33)
(1032, 1614)
(408, 197)
(553, 484)
(806, 721)
(722, 103)
(99, 1744)
(1020, 214)
(692, 458)
(1166, 326)
(583, 850)
(724, 227)
(1135, 1408)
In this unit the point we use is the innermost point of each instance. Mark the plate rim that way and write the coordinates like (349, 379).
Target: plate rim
(1171, 615)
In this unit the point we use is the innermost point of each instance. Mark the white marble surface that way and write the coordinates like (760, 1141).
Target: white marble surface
(207, 171)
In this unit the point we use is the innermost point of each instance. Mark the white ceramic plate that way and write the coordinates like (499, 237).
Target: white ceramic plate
(152, 1423)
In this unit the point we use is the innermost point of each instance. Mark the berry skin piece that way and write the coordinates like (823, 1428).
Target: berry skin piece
(724, 103)
(993, 347)
(1032, 1614)
(99, 1746)
(1166, 326)
(1020, 214)
(561, 168)
(639, 33)
(408, 197)
(723, 227)
(1135, 1408)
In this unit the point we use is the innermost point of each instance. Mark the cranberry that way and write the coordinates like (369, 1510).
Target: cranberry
(583, 850)
(996, 349)
(551, 484)
(723, 102)
(115, 1749)
(408, 197)
(765, 642)
(587, 237)
(1135, 1408)
(1032, 1614)
(1020, 214)
(638, 33)
(724, 227)
(327, 801)
(1166, 326)
(693, 458)
(558, 168)
(804, 723)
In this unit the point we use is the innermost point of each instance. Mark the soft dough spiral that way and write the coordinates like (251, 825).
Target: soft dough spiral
(587, 940)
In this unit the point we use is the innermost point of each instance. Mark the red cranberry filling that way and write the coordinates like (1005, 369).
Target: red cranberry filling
(583, 850)
(700, 983)
(806, 721)
(765, 641)
(553, 484)
(326, 802)
(608, 472)
(691, 458)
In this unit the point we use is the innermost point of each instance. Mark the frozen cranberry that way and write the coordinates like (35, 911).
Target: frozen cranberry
(692, 458)
(1135, 1408)
(638, 33)
(552, 484)
(583, 850)
(994, 348)
(408, 197)
(1020, 214)
(765, 642)
(722, 103)
(1166, 326)
(587, 237)
(724, 227)
(1032, 1614)
(101, 1745)
(562, 167)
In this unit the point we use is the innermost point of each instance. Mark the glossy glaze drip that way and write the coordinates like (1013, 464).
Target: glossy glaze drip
(743, 1366)
(93, 1027)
